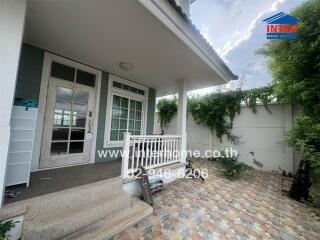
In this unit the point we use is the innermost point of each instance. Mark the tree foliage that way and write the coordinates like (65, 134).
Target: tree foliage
(295, 68)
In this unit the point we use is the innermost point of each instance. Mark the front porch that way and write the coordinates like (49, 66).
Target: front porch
(93, 82)
(54, 180)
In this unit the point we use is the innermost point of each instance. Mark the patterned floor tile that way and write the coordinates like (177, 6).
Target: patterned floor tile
(251, 207)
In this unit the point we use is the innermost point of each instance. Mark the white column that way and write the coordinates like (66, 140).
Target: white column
(182, 118)
(12, 16)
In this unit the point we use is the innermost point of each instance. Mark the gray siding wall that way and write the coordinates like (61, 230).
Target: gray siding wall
(28, 87)
(102, 119)
(151, 111)
(29, 73)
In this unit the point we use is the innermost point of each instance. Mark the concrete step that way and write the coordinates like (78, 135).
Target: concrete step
(61, 214)
(69, 222)
(114, 224)
(75, 198)
(37, 214)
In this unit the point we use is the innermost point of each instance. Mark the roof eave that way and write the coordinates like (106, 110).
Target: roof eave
(228, 74)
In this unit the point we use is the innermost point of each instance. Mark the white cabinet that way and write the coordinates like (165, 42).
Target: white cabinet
(23, 123)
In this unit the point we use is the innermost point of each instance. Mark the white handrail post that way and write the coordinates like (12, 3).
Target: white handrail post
(125, 155)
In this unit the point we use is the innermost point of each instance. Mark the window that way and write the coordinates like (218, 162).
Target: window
(68, 73)
(127, 88)
(126, 110)
(126, 117)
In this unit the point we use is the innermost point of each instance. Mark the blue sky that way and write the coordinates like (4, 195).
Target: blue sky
(235, 30)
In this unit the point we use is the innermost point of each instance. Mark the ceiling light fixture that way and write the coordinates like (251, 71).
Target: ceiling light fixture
(126, 66)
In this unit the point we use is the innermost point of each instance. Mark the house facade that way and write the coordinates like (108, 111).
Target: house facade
(79, 84)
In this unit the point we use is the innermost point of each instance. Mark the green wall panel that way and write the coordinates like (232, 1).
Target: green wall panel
(29, 73)
(151, 110)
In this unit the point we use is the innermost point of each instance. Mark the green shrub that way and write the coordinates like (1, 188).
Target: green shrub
(230, 167)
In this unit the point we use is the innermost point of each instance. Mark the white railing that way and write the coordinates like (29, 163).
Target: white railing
(149, 151)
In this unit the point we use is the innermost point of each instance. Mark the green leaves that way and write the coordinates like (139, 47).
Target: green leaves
(5, 226)
(218, 110)
(305, 136)
(167, 109)
(231, 168)
(295, 68)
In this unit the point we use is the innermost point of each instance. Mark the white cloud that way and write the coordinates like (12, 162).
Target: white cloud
(232, 43)
(237, 31)
(205, 31)
(275, 5)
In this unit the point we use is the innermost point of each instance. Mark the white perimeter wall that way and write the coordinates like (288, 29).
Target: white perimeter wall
(260, 133)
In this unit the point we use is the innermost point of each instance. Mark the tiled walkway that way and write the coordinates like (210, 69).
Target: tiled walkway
(252, 207)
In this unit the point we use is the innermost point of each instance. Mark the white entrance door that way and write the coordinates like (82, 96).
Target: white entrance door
(68, 124)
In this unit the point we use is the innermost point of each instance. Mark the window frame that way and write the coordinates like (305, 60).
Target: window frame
(131, 96)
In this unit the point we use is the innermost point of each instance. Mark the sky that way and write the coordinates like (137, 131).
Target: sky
(235, 30)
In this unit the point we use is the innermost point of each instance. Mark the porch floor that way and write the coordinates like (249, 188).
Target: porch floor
(251, 207)
(54, 180)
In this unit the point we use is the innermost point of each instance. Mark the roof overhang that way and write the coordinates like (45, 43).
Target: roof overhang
(151, 35)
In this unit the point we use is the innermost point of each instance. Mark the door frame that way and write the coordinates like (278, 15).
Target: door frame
(47, 60)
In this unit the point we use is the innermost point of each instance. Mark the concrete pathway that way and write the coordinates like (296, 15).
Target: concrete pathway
(251, 207)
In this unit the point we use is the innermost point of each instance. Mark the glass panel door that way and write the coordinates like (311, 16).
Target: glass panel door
(69, 121)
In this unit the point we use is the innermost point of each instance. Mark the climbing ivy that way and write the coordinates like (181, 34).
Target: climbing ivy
(167, 108)
(218, 110)
(258, 95)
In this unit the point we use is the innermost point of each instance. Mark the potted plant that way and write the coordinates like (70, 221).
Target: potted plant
(5, 227)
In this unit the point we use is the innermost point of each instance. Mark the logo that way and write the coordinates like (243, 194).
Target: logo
(282, 26)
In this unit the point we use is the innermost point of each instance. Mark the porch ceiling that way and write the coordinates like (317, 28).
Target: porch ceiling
(103, 33)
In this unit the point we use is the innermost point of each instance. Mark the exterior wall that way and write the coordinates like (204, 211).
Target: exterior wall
(261, 137)
(28, 87)
(151, 111)
(29, 74)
